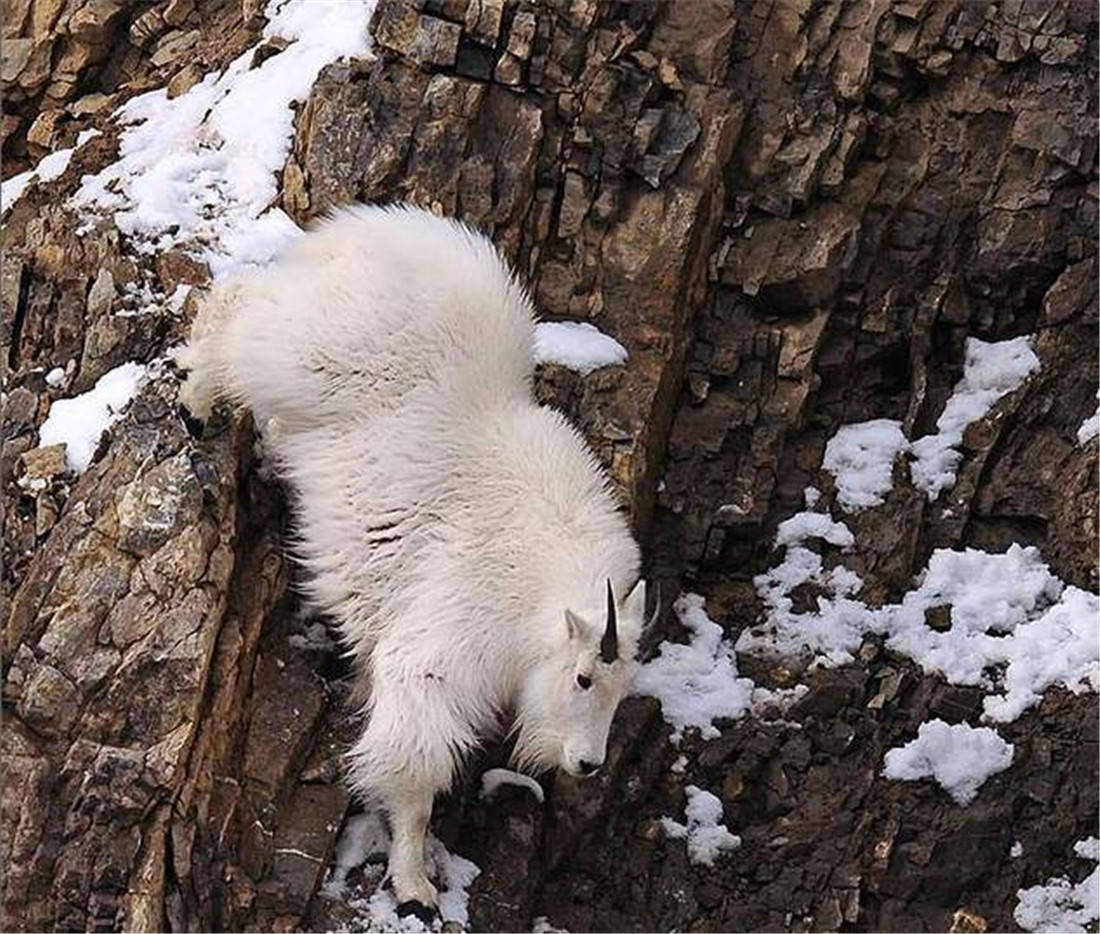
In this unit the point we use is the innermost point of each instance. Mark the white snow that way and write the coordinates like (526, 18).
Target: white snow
(834, 631)
(958, 756)
(805, 525)
(542, 925)
(991, 371)
(56, 376)
(696, 683)
(1060, 905)
(366, 838)
(49, 167)
(1090, 427)
(861, 459)
(202, 168)
(706, 836)
(1016, 850)
(577, 345)
(494, 778)
(1015, 628)
(452, 874)
(861, 456)
(79, 422)
(1089, 848)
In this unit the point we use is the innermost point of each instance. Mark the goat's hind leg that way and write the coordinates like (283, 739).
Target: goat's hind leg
(405, 756)
(409, 813)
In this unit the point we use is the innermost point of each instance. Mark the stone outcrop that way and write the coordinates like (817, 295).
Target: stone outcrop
(66, 64)
(792, 216)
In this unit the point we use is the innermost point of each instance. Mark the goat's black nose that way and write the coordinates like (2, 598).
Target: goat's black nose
(588, 767)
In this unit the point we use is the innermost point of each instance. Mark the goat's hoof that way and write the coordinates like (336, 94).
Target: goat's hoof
(413, 907)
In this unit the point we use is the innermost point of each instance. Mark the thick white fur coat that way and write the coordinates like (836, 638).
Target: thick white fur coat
(445, 521)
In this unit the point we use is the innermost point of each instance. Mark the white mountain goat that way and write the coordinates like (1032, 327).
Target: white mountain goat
(464, 540)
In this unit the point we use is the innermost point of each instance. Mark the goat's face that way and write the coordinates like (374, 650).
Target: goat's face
(569, 701)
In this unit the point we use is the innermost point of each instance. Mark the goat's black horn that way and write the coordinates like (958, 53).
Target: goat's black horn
(609, 644)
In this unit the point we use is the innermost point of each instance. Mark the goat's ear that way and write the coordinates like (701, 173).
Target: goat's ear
(633, 606)
(575, 627)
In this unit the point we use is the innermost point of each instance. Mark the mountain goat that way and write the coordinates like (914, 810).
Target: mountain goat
(463, 539)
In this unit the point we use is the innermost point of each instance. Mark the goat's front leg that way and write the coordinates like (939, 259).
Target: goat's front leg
(409, 816)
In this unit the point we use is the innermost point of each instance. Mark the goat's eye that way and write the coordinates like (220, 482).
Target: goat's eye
(584, 681)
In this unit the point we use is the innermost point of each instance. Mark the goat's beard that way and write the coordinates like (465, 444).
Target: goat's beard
(537, 745)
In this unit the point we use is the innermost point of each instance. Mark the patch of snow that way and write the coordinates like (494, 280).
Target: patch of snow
(542, 925)
(696, 683)
(365, 839)
(1016, 850)
(453, 875)
(811, 495)
(1061, 905)
(1089, 848)
(834, 631)
(679, 766)
(364, 836)
(958, 756)
(11, 189)
(49, 167)
(991, 371)
(805, 525)
(1015, 628)
(494, 778)
(577, 345)
(861, 459)
(202, 168)
(79, 422)
(56, 376)
(1090, 427)
(706, 836)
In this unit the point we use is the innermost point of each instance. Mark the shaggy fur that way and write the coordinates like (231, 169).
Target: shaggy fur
(446, 521)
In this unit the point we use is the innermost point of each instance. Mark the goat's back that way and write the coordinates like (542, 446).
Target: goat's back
(372, 305)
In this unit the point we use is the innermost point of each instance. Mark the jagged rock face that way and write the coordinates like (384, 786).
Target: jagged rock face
(793, 216)
(69, 63)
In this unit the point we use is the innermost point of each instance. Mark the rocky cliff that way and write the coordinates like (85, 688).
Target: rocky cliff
(794, 216)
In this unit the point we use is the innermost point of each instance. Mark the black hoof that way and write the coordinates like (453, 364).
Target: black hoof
(413, 907)
(194, 425)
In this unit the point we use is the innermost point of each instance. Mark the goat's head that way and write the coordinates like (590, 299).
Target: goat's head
(569, 700)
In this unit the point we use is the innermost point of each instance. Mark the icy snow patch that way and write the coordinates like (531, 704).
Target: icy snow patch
(706, 836)
(49, 167)
(1060, 905)
(1016, 850)
(697, 683)
(364, 837)
(1090, 427)
(56, 376)
(861, 456)
(576, 345)
(805, 525)
(1015, 628)
(494, 778)
(452, 873)
(959, 757)
(202, 167)
(79, 422)
(991, 370)
(861, 459)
